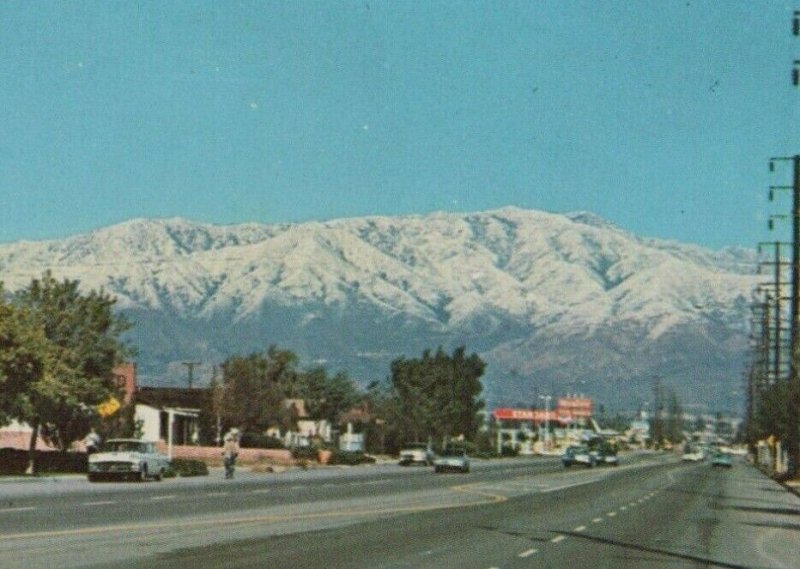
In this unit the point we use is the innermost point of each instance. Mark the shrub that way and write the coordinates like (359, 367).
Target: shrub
(185, 467)
(13, 461)
(350, 458)
(260, 440)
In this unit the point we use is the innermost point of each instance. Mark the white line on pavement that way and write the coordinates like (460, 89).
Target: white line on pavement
(611, 514)
(169, 497)
(102, 503)
(579, 528)
(8, 510)
(558, 539)
(527, 553)
(597, 520)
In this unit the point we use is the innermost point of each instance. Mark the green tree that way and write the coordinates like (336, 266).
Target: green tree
(83, 345)
(438, 395)
(254, 388)
(23, 359)
(674, 422)
(326, 397)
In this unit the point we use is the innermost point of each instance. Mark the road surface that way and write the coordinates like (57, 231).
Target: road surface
(650, 512)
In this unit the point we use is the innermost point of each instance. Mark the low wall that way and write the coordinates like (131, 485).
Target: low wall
(214, 454)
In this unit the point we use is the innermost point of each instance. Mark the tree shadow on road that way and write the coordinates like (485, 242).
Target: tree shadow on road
(774, 525)
(672, 554)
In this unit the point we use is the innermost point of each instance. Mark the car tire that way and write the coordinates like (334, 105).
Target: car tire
(91, 477)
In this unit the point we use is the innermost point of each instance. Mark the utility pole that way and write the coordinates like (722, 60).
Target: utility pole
(793, 436)
(190, 367)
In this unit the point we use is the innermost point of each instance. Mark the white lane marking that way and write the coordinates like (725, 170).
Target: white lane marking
(597, 520)
(527, 553)
(169, 497)
(213, 494)
(261, 491)
(623, 508)
(102, 503)
(611, 514)
(558, 539)
(25, 509)
(632, 505)
(579, 528)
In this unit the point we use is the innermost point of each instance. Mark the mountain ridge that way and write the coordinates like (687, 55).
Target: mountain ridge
(511, 275)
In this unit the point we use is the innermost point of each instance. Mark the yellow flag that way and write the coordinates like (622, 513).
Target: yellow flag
(108, 408)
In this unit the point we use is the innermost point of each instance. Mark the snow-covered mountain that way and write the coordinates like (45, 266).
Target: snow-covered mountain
(554, 303)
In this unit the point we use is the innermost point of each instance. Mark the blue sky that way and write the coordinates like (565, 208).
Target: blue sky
(659, 116)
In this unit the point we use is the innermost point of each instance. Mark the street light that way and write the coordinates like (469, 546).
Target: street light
(547, 399)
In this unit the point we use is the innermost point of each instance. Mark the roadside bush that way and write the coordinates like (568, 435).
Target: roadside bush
(260, 440)
(350, 458)
(185, 467)
(14, 461)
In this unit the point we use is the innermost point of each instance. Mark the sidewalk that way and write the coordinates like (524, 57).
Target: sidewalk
(757, 521)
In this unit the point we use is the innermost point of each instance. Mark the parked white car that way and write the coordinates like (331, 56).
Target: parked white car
(416, 453)
(452, 460)
(130, 459)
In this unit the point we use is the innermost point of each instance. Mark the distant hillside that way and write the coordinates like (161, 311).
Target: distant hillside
(553, 303)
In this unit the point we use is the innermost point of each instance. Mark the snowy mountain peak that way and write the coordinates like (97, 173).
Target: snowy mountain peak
(498, 279)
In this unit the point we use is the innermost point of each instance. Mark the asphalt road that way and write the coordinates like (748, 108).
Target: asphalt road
(649, 512)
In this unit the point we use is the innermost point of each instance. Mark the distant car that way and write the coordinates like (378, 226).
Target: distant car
(722, 459)
(606, 457)
(127, 459)
(693, 456)
(578, 455)
(417, 453)
(452, 460)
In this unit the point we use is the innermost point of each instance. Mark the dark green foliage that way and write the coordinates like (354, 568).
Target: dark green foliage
(253, 390)
(350, 458)
(185, 467)
(65, 345)
(15, 462)
(437, 396)
(259, 440)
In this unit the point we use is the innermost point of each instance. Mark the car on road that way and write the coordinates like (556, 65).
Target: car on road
(453, 459)
(722, 459)
(127, 459)
(693, 456)
(605, 453)
(417, 453)
(578, 454)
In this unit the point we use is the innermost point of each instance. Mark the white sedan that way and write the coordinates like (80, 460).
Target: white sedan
(131, 459)
(451, 460)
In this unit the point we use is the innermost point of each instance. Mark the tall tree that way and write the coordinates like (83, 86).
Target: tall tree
(24, 354)
(254, 389)
(326, 398)
(438, 395)
(83, 334)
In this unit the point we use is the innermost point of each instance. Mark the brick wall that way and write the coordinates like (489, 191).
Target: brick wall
(214, 454)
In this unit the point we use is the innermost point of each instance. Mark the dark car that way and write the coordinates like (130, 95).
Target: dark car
(576, 454)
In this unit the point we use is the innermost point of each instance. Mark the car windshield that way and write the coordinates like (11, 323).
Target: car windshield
(124, 446)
